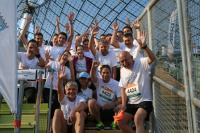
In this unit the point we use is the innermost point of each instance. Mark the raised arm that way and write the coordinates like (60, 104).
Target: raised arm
(79, 39)
(128, 22)
(57, 25)
(22, 34)
(47, 57)
(37, 28)
(95, 39)
(71, 30)
(93, 75)
(91, 43)
(114, 41)
(142, 44)
(71, 67)
(136, 25)
(60, 76)
(37, 54)
(114, 72)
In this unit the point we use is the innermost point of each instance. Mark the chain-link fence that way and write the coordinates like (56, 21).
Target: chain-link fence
(173, 29)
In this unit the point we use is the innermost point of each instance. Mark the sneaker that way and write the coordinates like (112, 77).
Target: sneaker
(114, 126)
(99, 126)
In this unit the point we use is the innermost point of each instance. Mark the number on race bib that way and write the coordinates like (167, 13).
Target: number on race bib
(106, 94)
(132, 91)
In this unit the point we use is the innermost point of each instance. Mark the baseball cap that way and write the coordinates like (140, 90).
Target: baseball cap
(84, 75)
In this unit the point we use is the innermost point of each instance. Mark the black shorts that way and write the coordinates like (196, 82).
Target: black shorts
(106, 115)
(146, 105)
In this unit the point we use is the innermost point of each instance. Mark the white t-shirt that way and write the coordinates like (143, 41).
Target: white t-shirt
(81, 65)
(42, 51)
(107, 92)
(137, 82)
(67, 106)
(110, 59)
(87, 93)
(32, 64)
(56, 52)
(117, 51)
(123, 46)
(73, 46)
(89, 54)
(135, 51)
(46, 47)
(55, 65)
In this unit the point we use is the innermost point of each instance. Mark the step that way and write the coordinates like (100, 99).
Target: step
(108, 131)
(29, 109)
(7, 124)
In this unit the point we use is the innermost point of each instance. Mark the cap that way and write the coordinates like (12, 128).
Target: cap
(84, 74)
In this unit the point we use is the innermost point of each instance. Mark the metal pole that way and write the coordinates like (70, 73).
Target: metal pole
(155, 109)
(170, 87)
(19, 106)
(1, 97)
(184, 63)
(149, 29)
(50, 99)
(38, 101)
(187, 44)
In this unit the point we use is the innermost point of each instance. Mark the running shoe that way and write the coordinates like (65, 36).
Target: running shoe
(114, 126)
(99, 126)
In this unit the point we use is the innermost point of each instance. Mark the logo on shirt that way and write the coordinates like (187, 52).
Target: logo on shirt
(3, 24)
(131, 78)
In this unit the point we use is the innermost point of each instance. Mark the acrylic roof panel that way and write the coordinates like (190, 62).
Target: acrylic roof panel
(106, 11)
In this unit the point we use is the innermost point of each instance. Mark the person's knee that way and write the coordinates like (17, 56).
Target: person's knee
(92, 103)
(58, 113)
(80, 114)
(139, 119)
(122, 122)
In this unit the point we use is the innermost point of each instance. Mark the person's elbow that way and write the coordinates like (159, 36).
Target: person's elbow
(153, 59)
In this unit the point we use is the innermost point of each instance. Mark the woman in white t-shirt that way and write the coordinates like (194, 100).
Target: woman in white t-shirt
(72, 106)
(65, 60)
(83, 89)
(81, 63)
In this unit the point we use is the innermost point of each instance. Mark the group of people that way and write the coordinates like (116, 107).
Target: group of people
(100, 78)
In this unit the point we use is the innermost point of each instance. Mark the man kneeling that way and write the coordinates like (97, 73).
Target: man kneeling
(72, 107)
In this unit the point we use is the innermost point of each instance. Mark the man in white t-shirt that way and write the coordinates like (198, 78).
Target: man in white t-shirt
(136, 88)
(63, 44)
(30, 60)
(104, 56)
(129, 43)
(72, 107)
(37, 36)
(108, 95)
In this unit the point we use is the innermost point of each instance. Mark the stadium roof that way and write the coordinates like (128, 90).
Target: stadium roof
(45, 13)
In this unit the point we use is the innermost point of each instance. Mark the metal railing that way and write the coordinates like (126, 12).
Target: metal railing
(173, 28)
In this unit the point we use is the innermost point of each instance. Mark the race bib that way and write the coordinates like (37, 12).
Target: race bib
(132, 91)
(106, 94)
